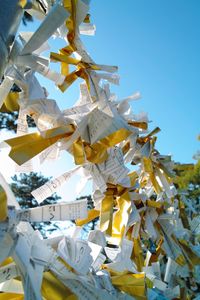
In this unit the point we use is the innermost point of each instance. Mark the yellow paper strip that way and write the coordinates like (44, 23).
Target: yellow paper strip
(10, 103)
(3, 204)
(106, 214)
(27, 146)
(92, 214)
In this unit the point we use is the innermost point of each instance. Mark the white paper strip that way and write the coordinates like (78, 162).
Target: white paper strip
(5, 89)
(8, 272)
(58, 212)
(51, 187)
(54, 19)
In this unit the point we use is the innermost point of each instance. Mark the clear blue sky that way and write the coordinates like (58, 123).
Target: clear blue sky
(156, 45)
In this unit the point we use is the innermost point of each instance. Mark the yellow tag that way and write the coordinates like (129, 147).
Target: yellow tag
(64, 58)
(126, 147)
(191, 257)
(64, 69)
(149, 283)
(142, 125)
(120, 219)
(3, 204)
(11, 296)
(137, 254)
(27, 146)
(78, 151)
(148, 167)
(22, 3)
(92, 214)
(153, 132)
(106, 214)
(133, 284)
(180, 260)
(154, 204)
(54, 289)
(115, 137)
(10, 103)
(133, 177)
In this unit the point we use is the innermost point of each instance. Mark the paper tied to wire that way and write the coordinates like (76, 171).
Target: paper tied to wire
(23, 55)
(142, 243)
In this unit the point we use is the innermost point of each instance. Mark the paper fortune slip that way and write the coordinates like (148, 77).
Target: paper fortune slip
(135, 236)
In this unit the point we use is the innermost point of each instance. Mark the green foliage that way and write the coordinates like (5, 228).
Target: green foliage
(22, 186)
(188, 179)
(8, 120)
(90, 203)
(188, 175)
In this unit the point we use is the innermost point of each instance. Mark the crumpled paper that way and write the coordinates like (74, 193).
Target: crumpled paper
(145, 246)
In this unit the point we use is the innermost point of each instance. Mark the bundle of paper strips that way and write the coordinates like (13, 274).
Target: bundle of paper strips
(145, 246)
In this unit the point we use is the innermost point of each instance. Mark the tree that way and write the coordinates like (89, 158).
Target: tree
(8, 120)
(188, 179)
(22, 186)
(196, 156)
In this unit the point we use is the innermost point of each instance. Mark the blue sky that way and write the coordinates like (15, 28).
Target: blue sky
(156, 45)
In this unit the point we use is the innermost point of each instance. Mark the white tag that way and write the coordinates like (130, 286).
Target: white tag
(8, 272)
(5, 88)
(53, 20)
(76, 253)
(57, 212)
(51, 187)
